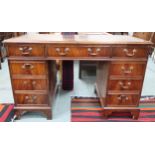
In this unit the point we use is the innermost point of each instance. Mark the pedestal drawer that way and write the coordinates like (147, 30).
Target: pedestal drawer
(26, 50)
(127, 68)
(131, 52)
(122, 100)
(120, 85)
(29, 84)
(28, 67)
(31, 99)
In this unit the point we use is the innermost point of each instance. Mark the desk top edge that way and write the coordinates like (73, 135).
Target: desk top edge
(76, 39)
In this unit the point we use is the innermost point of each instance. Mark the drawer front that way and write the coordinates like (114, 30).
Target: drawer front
(121, 85)
(28, 67)
(30, 99)
(130, 52)
(54, 51)
(26, 50)
(96, 51)
(127, 69)
(29, 84)
(122, 100)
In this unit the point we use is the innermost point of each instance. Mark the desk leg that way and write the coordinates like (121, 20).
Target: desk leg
(20, 111)
(134, 111)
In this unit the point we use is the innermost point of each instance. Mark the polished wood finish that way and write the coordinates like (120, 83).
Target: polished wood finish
(34, 86)
(28, 68)
(121, 63)
(31, 99)
(125, 85)
(127, 69)
(77, 40)
(73, 51)
(29, 84)
(28, 50)
(131, 52)
(122, 100)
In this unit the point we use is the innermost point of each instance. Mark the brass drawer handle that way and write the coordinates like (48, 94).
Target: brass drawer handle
(127, 71)
(130, 54)
(62, 53)
(92, 52)
(34, 83)
(123, 98)
(30, 99)
(123, 86)
(25, 50)
(27, 66)
(25, 82)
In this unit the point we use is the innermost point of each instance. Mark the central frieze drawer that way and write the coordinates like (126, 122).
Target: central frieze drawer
(31, 99)
(56, 51)
(29, 84)
(26, 50)
(130, 52)
(120, 85)
(127, 68)
(122, 100)
(28, 67)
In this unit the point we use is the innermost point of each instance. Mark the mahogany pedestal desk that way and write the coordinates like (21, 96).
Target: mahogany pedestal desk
(120, 72)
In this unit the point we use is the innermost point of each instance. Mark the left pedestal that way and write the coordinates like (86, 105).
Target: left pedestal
(34, 86)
